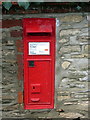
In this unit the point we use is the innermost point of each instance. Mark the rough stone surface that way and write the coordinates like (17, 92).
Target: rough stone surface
(69, 32)
(71, 80)
(69, 49)
(87, 48)
(71, 18)
(65, 64)
(63, 41)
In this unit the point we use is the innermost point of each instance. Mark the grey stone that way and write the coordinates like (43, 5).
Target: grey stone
(69, 49)
(84, 78)
(71, 115)
(84, 30)
(73, 40)
(88, 17)
(84, 55)
(80, 86)
(81, 96)
(8, 47)
(79, 64)
(84, 34)
(69, 32)
(65, 26)
(5, 36)
(87, 48)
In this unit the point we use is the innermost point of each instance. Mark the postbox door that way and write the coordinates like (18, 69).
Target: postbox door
(39, 62)
(39, 82)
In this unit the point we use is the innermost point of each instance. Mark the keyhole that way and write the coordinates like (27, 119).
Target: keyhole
(33, 87)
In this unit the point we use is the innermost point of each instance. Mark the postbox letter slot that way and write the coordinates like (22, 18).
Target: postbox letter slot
(39, 34)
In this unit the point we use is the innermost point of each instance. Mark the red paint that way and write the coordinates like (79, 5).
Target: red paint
(20, 97)
(20, 66)
(39, 70)
(20, 74)
(19, 45)
(16, 33)
(11, 23)
(20, 58)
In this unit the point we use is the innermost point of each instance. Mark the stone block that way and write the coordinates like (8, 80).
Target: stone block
(10, 108)
(65, 26)
(65, 64)
(71, 18)
(77, 74)
(73, 40)
(84, 78)
(64, 40)
(79, 56)
(5, 36)
(70, 115)
(87, 48)
(79, 96)
(83, 39)
(60, 98)
(84, 34)
(69, 32)
(69, 49)
(84, 30)
(8, 54)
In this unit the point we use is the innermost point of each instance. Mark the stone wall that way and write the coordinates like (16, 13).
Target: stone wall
(71, 80)
(73, 59)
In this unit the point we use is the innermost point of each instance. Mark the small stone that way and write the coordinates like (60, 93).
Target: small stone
(80, 56)
(65, 64)
(87, 48)
(60, 98)
(63, 41)
(88, 17)
(83, 38)
(60, 110)
(71, 115)
(73, 40)
(68, 103)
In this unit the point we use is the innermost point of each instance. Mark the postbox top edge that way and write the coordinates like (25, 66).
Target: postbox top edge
(44, 20)
(39, 25)
(39, 18)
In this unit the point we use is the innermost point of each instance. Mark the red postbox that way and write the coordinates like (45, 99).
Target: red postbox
(39, 62)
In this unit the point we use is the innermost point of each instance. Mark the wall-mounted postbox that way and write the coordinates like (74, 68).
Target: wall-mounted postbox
(39, 62)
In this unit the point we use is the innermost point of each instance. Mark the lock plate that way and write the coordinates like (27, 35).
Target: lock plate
(31, 63)
(35, 88)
